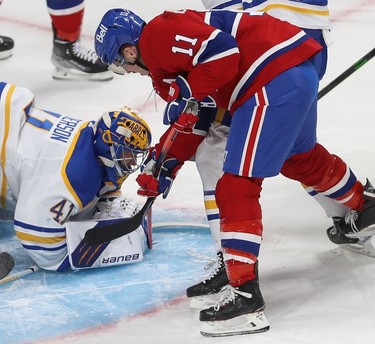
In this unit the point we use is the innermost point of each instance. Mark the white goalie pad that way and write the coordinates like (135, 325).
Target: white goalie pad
(127, 249)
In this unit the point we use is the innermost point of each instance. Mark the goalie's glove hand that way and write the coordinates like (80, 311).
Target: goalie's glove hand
(182, 108)
(153, 183)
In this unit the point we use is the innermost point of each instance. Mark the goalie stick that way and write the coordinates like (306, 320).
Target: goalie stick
(95, 236)
(99, 235)
(19, 274)
(346, 73)
(6, 264)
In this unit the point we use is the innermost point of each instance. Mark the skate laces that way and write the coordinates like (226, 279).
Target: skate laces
(84, 53)
(350, 219)
(219, 265)
(229, 296)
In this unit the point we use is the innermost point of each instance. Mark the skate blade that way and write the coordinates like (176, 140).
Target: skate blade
(364, 247)
(5, 54)
(73, 74)
(243, 324)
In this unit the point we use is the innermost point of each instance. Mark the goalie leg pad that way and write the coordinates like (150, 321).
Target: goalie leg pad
(127, 249)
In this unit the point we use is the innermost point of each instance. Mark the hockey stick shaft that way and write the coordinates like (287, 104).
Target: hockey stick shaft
(20, 274)
(346, 73)
(100, 235)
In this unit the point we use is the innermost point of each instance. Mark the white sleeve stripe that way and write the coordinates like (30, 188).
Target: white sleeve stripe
(236, 23)
(339, 185)
(241, 236)
(204, 46)
(238, 258)
(199, 132)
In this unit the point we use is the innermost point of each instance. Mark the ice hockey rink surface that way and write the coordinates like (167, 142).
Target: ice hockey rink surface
(314, 291)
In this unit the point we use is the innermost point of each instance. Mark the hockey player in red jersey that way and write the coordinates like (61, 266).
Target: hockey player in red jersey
(258, 68)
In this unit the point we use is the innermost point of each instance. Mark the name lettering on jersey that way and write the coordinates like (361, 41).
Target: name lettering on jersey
(119, 259)
(184, 39)
(100, 36)
(64, 128)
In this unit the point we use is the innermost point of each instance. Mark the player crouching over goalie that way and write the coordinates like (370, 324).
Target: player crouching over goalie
(61, 176)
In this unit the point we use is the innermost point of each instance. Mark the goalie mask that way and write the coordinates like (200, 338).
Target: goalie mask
(122, 140)
(117, 28)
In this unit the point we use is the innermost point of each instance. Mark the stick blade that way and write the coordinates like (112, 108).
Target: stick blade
(6, 264)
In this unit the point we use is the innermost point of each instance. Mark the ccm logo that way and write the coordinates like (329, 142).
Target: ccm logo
(100, 36)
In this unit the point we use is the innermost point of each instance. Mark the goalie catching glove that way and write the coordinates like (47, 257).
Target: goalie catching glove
(153, 183)
(182, 109)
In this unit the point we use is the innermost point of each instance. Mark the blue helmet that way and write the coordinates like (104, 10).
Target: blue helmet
(117, 27)
(121, 141)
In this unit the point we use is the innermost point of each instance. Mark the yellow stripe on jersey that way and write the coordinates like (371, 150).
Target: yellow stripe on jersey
(296, 9)
(65, 163)
(210, 204)
(219, 115)
(4, 144)
(39, 239)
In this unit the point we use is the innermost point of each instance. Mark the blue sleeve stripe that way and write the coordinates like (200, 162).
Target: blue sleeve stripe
(346, 188)
(226, 4)
(42, 248)
(217, 46)
(213, 217)
(209, 192)
(39, 229)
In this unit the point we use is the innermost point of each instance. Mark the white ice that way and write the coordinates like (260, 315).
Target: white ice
(314, 292)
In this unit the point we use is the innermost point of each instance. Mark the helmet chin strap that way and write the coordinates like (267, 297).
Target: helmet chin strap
(140, 64)
(138, 59)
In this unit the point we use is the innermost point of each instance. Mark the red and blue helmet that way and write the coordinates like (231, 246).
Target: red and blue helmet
(117, 27)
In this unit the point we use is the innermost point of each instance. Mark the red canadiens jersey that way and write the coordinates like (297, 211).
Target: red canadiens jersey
(226, 54)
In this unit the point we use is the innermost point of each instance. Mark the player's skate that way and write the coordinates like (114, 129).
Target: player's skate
(356, 230)
(207, 292)
(75, 62)
(239, 311)
(6, 47)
